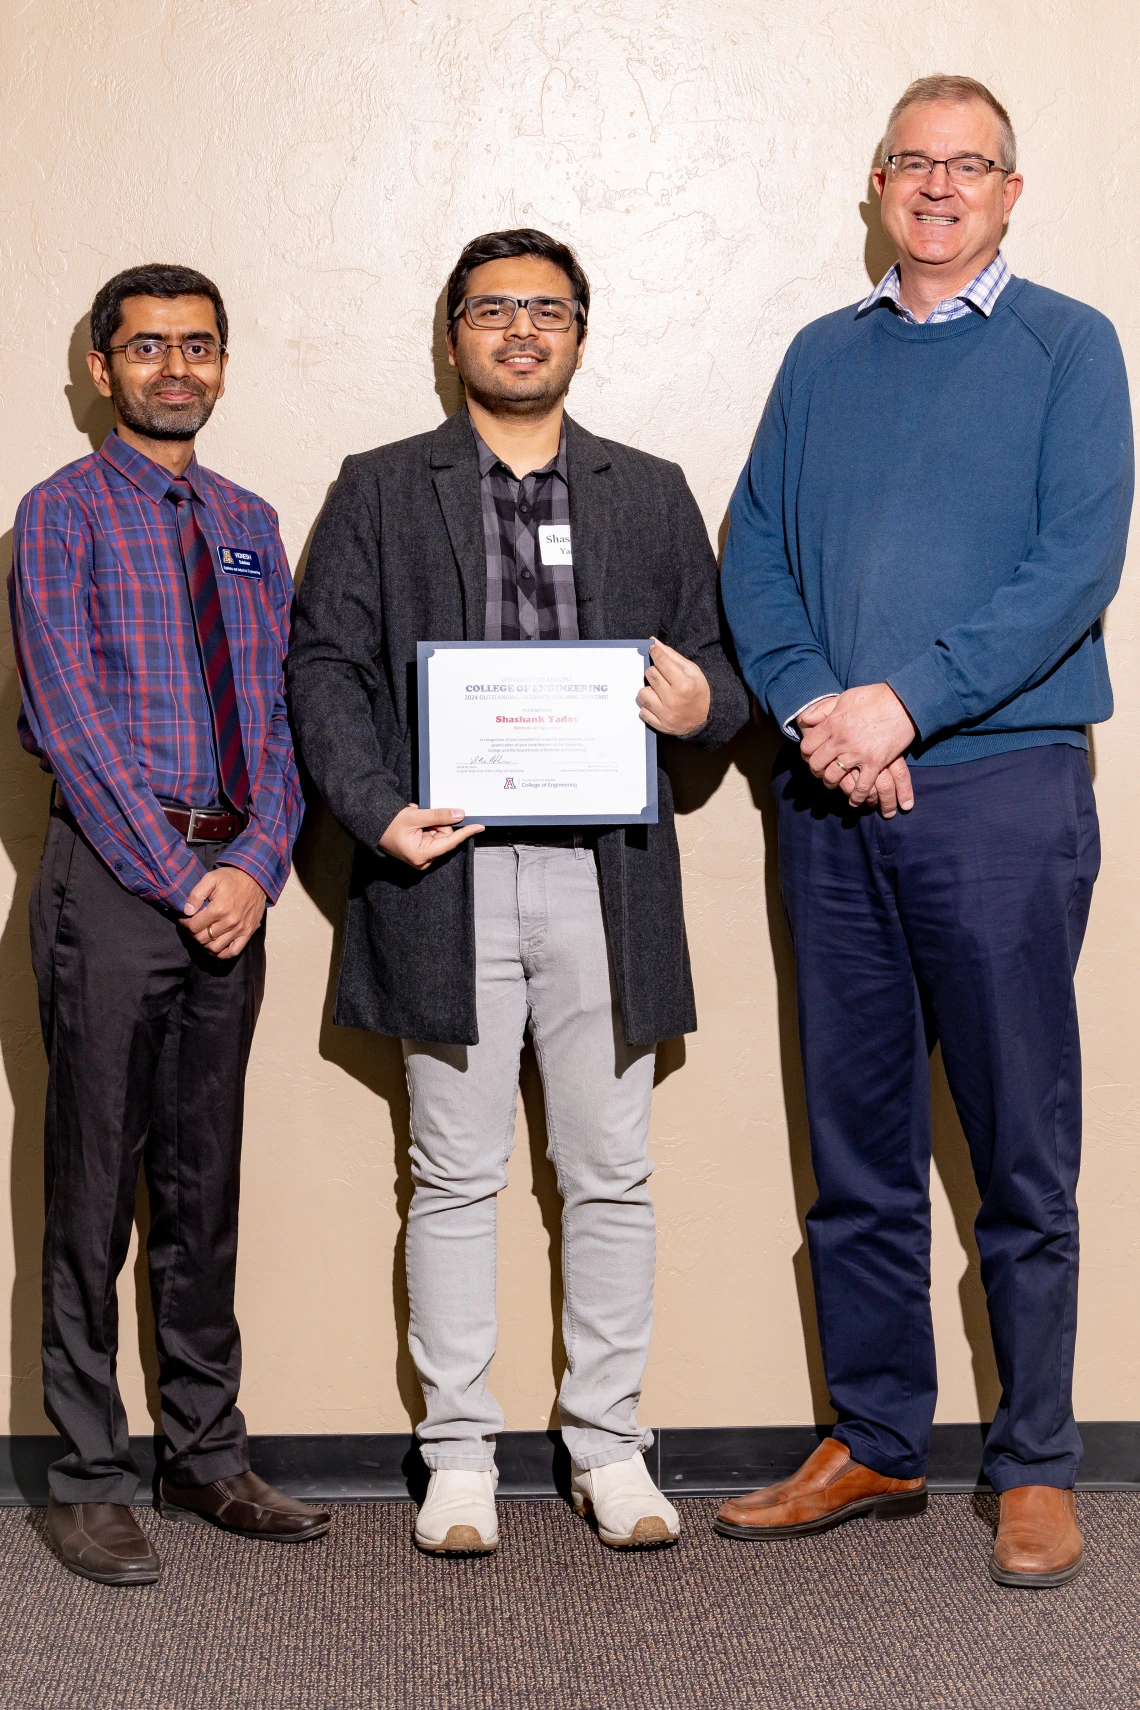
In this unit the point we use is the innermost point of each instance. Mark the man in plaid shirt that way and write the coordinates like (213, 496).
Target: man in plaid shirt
(150, 607)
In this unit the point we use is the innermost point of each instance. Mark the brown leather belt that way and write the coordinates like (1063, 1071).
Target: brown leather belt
(197, 825)
(206, 825)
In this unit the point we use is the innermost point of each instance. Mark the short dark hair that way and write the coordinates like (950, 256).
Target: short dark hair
(503, 246)
(153, 279)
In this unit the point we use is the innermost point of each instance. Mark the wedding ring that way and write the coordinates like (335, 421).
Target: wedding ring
(209, 932)
(841, 766)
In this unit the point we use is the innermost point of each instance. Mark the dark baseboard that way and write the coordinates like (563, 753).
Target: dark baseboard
(714, 1461)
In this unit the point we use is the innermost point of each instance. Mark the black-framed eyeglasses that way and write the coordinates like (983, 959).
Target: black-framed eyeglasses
(198, 352)
(960, 168)
(547, 314)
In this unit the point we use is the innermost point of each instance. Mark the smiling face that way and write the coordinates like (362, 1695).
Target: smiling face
(934, 223)
(517, 370)
(170, 399)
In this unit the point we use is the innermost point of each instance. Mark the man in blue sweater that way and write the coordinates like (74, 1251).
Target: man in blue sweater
(921, 547)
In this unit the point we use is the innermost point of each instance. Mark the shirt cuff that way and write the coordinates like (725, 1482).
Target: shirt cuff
(268, 870)
(804, 680)
(790, 729)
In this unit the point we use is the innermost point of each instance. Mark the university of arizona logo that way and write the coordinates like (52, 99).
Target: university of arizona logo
(509, 785)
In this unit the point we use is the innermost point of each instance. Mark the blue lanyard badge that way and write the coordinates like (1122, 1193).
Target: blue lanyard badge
(237, 562)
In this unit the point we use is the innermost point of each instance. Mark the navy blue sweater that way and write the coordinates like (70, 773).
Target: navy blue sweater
(943, 508)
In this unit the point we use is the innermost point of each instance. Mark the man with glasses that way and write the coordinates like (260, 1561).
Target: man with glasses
(150, 607)
(920, 549)
(511, 523)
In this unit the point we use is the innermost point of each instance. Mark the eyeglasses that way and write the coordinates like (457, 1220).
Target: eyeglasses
(547, 314)
(960, 168)
(198, 352)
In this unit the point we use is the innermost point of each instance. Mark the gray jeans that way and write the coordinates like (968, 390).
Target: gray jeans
(542, 960)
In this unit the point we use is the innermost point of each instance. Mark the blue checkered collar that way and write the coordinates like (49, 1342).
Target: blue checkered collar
(981, 294)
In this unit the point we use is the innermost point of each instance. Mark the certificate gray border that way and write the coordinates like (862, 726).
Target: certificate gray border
(424, 651)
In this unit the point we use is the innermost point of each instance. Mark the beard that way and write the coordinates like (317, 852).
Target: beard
(492, 385)
(146, 414)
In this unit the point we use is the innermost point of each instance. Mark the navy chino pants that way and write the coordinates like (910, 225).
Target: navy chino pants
(960, 922)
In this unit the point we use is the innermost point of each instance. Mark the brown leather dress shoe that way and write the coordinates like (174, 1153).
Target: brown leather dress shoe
(245, 1504)
(1038, 1541)
(102, 1541)
(829, 1488)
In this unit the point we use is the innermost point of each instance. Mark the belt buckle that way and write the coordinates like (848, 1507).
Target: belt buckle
(195, 815)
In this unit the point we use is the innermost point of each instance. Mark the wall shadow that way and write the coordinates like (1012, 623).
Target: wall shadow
(878, 250)
(695, 775)
(92, 414)
(322, 860)
(448, 385)
(24, 796)
(755, 754)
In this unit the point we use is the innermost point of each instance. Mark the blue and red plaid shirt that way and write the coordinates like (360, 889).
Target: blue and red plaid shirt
(114, 701)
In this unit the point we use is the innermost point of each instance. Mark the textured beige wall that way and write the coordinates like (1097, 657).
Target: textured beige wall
(325, 160)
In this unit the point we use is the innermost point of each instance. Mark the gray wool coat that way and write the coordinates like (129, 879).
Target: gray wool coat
(398, 557)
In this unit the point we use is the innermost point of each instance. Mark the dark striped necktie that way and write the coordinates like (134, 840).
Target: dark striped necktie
(213, 648)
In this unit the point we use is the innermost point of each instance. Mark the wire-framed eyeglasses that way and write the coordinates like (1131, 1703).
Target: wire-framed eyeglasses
(960, 168)
(198, 352)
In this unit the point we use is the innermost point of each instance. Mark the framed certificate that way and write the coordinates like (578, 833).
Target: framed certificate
(536, 733)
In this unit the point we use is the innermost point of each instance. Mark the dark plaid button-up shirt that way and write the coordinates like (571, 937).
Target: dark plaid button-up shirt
(114, 701)
(527, 599)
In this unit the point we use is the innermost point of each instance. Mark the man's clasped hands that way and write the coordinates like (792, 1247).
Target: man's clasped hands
(855, 742)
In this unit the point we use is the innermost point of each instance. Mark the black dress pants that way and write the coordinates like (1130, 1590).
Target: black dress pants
(148, 1038)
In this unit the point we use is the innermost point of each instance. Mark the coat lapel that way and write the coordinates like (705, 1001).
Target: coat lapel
(590, 499)
(455, 477)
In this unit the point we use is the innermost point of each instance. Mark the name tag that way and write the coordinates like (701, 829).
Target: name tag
(554, 543)
(237, 562)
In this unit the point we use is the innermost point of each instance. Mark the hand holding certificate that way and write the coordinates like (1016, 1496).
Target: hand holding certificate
(519, 734)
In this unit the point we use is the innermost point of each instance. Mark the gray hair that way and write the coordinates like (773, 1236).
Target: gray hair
(942, 88)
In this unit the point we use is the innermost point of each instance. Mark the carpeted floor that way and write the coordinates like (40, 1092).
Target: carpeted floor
(868, 1617)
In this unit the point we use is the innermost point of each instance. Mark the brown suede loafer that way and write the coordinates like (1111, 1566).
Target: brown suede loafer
(1038, 1543)
(102, 1541)
(829, 1488)
(246, 1505)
